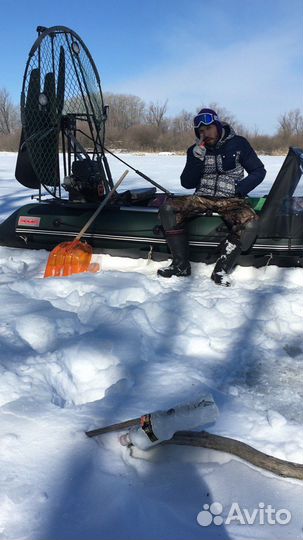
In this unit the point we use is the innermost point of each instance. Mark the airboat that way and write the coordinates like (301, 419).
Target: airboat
(62, 158)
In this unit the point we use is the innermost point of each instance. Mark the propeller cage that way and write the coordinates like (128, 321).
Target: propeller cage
(63, 118)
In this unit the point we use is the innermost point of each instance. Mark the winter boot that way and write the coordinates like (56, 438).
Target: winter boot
(230, 250)
(178, 245)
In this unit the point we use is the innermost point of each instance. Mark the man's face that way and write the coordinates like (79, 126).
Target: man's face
(209, 134)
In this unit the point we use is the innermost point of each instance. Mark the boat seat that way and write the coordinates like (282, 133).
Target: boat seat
(136, 196)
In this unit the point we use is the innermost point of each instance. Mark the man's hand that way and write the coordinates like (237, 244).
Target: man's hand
(199, 150)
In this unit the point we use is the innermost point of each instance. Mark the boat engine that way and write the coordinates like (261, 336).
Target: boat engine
(86, 183)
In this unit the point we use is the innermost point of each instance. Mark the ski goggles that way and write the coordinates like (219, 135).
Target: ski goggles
(205, 119)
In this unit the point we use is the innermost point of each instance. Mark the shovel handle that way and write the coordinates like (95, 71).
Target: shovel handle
(113, 427)
(100, 207)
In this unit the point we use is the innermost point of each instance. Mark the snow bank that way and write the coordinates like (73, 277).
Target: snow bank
(89, 350)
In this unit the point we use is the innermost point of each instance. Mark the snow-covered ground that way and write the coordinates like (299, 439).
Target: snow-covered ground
(89, 350)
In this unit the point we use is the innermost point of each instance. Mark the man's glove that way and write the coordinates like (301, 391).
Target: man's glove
(199, 150)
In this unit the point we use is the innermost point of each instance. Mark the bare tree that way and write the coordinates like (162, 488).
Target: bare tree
(156, 114)
(183, 122)
(125, 110)
(291, 124)
(8, 113)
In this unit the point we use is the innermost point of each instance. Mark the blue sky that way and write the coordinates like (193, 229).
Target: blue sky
(245, 55)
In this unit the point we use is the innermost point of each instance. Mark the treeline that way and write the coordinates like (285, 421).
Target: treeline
(133, 125)
(9, 123)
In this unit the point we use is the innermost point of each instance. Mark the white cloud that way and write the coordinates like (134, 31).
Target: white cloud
(256, 80)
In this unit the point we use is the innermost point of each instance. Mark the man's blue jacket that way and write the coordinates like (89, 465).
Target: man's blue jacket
(218, 171)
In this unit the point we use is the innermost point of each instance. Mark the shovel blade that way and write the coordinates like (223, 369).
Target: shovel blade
(70, 258)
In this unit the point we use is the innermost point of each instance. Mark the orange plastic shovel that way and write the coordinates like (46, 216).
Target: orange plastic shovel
(75, 257)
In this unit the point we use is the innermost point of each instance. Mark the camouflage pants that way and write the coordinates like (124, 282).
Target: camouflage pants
(234, 211)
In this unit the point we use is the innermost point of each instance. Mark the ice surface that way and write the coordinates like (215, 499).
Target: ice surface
(89, 350)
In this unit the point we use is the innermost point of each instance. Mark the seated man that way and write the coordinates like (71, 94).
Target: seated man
(215, 168)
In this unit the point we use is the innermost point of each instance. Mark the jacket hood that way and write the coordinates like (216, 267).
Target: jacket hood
(227, 133)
